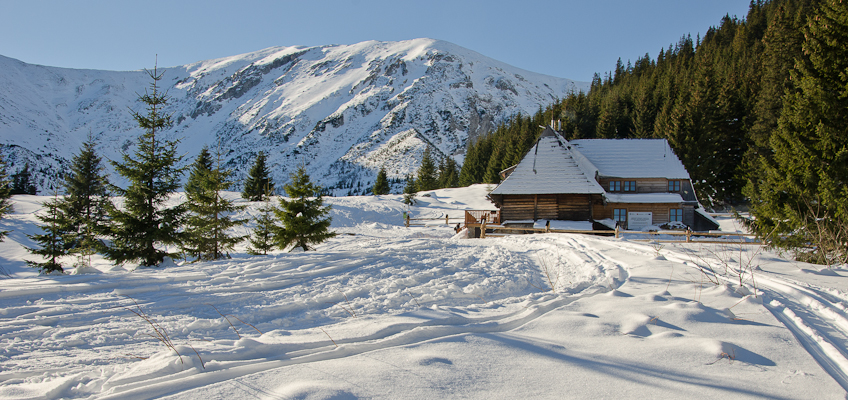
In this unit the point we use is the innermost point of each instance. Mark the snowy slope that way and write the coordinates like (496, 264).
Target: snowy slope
(385, 311)
(343, 111)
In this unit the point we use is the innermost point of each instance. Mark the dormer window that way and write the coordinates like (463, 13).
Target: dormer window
(622, 186)
(674, 186)
(615, 186)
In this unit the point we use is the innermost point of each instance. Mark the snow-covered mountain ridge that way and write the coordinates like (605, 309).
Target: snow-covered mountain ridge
(341, 110)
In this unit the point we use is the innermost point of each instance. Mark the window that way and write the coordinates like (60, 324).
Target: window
(675, 214)
(673, 186)
(619, 215)
(615, 186)
(629, 186)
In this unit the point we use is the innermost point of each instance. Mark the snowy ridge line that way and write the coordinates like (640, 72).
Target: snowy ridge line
(342, 110)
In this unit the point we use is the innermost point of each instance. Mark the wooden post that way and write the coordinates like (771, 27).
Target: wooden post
(688, 235)
(483, 230)
(548, 227)
(616, 232)
(406, 219)
(535, 206)
(446, 220)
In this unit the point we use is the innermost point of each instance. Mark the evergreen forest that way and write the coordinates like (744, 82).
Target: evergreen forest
(757, 111)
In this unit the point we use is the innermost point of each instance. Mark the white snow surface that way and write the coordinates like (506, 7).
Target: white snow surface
(385, 311)
(343, 111)
(548, 168)
(632, 158)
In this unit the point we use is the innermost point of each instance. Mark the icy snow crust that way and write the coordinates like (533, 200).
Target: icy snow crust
(343, 111)
(548, 168)
(632, 158)
(385, 311)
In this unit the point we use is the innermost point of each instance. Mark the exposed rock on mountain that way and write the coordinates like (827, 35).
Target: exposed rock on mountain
(343, 111)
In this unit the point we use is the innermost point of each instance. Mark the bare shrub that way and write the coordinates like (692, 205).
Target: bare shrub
(159, 332)
(553, 280)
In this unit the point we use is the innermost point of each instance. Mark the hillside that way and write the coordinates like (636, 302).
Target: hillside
(385, 311)
(343, 111)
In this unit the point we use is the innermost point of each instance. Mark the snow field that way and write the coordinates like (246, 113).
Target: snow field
(384, 311)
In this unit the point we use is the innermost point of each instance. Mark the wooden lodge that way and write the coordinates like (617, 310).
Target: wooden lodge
(607, 183)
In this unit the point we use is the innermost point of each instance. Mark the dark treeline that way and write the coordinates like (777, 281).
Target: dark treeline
(503, 148)
(716, 99)
(757, 111)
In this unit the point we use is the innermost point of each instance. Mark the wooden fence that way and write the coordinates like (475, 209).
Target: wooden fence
(499, 230)
(407, 221)
(490, 220)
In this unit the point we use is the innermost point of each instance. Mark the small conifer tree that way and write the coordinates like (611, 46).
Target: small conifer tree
(409, 191)
(52, 241)
(199, 171)
(304, 217)
(381, 184)
(262, 239)
(5, 196)
(448, 173)
(22, 181)
(145, 224)
(205, 236)
(427, 174)
(86, 202)
(259, 182)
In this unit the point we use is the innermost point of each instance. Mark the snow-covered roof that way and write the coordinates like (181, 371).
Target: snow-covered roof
(549, 168)
(632, 158)
(661, 198)
(700, 210)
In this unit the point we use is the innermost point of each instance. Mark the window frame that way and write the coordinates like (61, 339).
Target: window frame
(629, 186)
(614, 186)
(674, 213)
(619, 215)
(674, 186)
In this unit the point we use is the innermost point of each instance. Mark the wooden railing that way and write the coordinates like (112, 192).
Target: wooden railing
(652, 236)
(481, 216)
(407, 221)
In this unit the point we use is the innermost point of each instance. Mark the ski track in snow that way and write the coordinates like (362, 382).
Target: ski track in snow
(816, 316)
(436, 287)
(379, 286)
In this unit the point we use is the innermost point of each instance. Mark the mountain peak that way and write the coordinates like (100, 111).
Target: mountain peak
(343, 111)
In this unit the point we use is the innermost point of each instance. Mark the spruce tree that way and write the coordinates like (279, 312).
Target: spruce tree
(262, 239)
(200, 170)
(86, 202)
(144, 225)
(381, 184)
(805, 179)
(52, 241)
(427, 174)
(22, 181)
(448, 173)
(5, 196)
(259, 182)
(409, 191)
(304, 216)
(205, 236)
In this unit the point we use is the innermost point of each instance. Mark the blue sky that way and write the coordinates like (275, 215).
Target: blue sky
(568, 39)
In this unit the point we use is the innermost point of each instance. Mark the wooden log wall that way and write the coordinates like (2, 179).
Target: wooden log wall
(660, 211)
(574, 207)
(547, 206)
